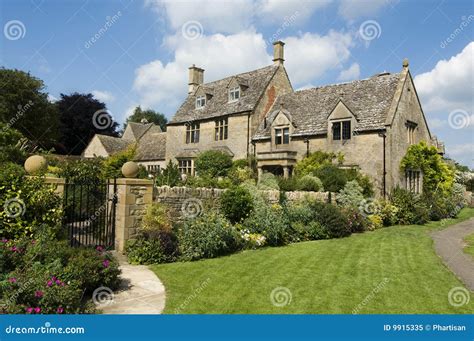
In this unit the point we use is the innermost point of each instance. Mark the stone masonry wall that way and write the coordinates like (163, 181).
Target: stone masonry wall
(185, 200)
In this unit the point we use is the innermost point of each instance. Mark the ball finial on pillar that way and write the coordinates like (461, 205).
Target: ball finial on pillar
(405, 63)
(130, 169)
(35, 164)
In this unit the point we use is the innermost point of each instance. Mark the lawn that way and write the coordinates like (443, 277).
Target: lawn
(391, 270)
(469, 249)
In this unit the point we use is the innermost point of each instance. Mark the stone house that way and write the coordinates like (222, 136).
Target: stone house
(371, 121)
(148, 138)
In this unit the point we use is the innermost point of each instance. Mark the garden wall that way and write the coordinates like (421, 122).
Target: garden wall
(184, 199)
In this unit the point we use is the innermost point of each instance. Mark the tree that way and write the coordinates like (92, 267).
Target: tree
(213, 163)
(10, 145)
(437, 174)
(24, 105)
(81, 117)
(150, 115)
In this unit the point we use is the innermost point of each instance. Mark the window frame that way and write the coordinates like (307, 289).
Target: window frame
(221, 130)
(185, 166)
(233, 92)
(192, 133)
(413, 180)
(200, 101)
(282, 136)
(341, 130)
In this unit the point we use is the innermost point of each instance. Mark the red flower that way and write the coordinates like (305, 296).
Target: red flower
(29, 310)
(50, 283)
(38, 293)
(99, 248)
(37, 310)
(60, 310)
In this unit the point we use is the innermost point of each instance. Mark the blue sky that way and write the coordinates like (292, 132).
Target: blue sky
(142, 49)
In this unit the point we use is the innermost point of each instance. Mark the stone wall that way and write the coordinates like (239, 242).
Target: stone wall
(185, 200)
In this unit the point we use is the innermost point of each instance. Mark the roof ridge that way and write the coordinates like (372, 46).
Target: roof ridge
(239, 74)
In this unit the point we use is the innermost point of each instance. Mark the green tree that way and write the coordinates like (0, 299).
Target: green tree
(170, 176)
(112, 166)
(82, 116)
(24, 105)
(10, 145)
(437, 174)
(150, 115)
(213, 163)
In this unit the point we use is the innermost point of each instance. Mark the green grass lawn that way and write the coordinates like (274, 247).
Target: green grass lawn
(391, 270)
(469, 249)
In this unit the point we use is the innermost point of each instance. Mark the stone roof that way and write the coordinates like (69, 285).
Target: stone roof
(368, 99)
(255, 83)
(112, 144)
(152, 145)
(138, 129)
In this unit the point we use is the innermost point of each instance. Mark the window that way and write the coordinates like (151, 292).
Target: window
(234, 94)
(185, 166)
(413, 181)
(411, 126)
(341, 129)
(222, 129)
(200, 101)
(192, 133)
(153, 168)
(282, 136)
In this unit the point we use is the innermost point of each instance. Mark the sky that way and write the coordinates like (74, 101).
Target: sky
(130, 53)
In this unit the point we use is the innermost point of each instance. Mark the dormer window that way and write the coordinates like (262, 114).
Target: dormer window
(234, 94)
(341, 130)
(200, 101)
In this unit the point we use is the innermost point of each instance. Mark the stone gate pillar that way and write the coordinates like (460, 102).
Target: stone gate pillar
(133, 198)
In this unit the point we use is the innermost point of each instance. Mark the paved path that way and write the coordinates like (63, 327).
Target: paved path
(449, 246)
(140, 292)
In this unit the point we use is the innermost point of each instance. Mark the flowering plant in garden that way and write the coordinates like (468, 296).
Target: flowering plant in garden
(252, 240)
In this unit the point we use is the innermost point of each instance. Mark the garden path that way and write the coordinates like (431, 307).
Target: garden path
(140, 292)
(449, 246)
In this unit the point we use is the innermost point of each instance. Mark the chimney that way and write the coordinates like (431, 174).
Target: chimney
(278, 53)
(196, 78)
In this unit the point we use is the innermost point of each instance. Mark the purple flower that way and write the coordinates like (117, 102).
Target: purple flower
(50, 283)
(29, 310)
(53, 278)
(4, 240)
(99, 248)
(60, 310)
(37, 310)
(106, 263)
(38, 293)
(12, 280)
(14, 249)
(58, 282)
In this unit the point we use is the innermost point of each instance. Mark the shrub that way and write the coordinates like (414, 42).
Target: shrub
(333, 178)
(170, 176)
(252, 240)
(213, 163)
(351, 195)
(309, 183)
(238, 175)
(268, 181)
(374, 222)
(10, 145)
(411, 209)
(236, 204)
(387, 212)
(270, 221)
(288, 184)
(157, 218)
(331, 218)
(87, 171)
(112, 166)
(313, 162)
(356, 221)
(363, 180)
(208, 236)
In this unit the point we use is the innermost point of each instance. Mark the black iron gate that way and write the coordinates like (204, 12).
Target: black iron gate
(89, 213)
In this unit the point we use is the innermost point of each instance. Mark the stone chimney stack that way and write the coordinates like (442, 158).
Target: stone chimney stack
(196, 78)
(278, 50)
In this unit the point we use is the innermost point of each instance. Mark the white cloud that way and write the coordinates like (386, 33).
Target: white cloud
(309, 56)
(351, 9)
(277, 10)
(436, 123)
(466, 149)
(103, 96)
(449, 86)
(353, 72)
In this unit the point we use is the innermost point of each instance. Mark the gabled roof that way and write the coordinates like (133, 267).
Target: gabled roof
(219, 105)
(152, 145)
(368, 99)
(112, 144)
(136, 130)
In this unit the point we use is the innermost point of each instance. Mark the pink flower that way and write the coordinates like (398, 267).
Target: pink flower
(4, 240)
(53, 278)
(99, 248)
(60, 310)
(29, 310)
(14, 249)
(106, 263)
(50, 283)
(37, 310)
(38, 293)
(62, 284)
(12, 280)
